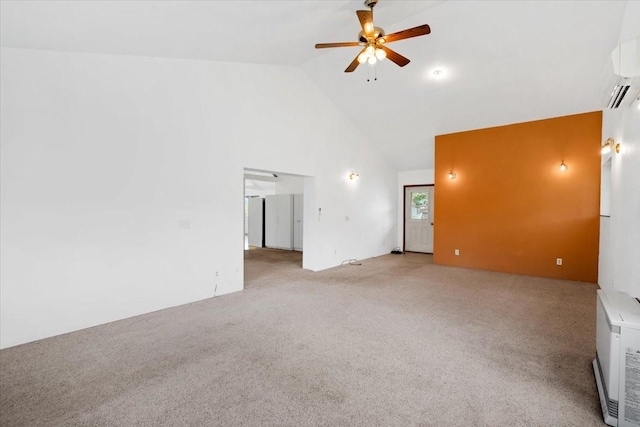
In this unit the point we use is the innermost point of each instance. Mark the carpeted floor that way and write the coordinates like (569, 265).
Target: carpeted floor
(396, 341)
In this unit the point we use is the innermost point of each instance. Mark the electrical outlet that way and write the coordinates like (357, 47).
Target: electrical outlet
(216, 274)
(456, 252)
(558, 261)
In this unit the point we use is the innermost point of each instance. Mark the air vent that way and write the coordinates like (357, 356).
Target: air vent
(618, 95)
(613, 408)
(625, 90)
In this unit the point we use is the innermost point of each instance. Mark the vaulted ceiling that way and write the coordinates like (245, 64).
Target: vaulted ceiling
(501, 61)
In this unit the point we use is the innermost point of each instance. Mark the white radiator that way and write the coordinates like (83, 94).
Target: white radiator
(617, 363)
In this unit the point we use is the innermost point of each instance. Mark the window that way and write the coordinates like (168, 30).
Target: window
(420, 205)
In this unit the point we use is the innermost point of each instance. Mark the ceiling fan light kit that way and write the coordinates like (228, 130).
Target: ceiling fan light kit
(371, 55)
(373, 40)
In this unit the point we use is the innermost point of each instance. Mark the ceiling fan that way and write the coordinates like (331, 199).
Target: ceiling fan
(373, 40)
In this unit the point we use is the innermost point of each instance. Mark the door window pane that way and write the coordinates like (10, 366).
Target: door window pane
(420, 205)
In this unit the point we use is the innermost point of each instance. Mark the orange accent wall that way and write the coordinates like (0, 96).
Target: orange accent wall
(510, 209)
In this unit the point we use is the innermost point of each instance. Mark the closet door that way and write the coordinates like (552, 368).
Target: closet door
(271, 222)
(285, 221)
(279, 221)
(297, 221)
(256, 221)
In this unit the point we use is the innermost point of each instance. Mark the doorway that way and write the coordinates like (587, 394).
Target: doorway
(274, 224)
(418, 218)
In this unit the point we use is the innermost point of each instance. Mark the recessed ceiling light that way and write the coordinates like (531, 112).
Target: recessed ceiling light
(438, 72)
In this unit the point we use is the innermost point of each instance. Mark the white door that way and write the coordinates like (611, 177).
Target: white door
(285, 221)
(278, 225)
(418, 219)
(256, 218)
(271, 222)
(297, 222)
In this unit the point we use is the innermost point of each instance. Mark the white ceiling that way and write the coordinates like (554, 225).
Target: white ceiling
(256, 185)
(504, 61)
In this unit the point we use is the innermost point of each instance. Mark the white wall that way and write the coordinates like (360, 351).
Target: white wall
(618, 266)
(289, 185)
(605, 185)
(258, 188)
(415, 177)
(122, 182)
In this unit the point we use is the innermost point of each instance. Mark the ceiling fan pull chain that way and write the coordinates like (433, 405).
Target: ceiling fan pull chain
(375, 72)
(368, 68)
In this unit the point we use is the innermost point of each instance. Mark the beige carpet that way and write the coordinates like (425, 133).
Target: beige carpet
(396, 341)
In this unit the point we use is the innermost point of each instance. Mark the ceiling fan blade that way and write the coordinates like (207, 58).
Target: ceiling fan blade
(366, 21)
(394, 56)
(354, 64)
(345, 44)
(421, 30)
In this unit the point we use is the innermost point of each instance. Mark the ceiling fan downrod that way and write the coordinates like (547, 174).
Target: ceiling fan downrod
(370, 3)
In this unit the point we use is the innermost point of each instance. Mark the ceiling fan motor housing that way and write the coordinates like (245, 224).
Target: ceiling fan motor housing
(379, 32)
(370, 3)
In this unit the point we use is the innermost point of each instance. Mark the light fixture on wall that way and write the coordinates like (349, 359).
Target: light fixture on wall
(451, 175)
(354, 175)
(563, 167)
(609, 145)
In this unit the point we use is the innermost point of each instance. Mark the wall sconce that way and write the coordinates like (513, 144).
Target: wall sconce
(609, 145)
(451, 174)
(563, 167)
(354, 176)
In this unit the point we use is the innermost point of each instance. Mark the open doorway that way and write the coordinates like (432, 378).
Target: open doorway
(418, 218)
(274, 223)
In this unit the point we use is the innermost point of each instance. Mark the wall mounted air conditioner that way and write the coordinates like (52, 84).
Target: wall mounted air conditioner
(617, 363)
(624, 88)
